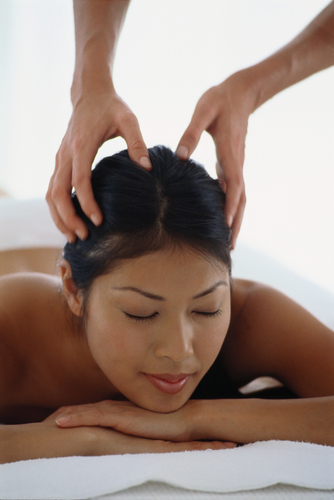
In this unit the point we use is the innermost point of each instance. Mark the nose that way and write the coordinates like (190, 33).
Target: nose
(175, 341)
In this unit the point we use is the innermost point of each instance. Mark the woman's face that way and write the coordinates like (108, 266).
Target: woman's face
(155, 325)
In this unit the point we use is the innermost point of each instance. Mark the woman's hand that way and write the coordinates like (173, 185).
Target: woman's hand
(223, 112)
(180, 426)
(47, 440)
(96, 117)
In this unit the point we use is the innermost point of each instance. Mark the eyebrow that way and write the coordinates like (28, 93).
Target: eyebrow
(142, 292)
(162, 299)
(211, 289)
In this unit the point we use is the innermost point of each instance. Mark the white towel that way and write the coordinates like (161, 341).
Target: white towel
(249, 467)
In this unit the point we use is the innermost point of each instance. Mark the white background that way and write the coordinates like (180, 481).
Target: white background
(170, 52)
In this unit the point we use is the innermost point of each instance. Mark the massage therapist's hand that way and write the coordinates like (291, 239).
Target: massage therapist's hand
(95, 119)
(223, 112)
(179, 426)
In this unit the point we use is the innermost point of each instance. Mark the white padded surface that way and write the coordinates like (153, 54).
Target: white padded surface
(250, 467)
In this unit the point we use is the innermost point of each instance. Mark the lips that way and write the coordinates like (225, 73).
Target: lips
(170, 384)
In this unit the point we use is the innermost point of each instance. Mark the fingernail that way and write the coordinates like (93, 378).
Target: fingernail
(70, 238)
(182, 152)
(95, 219)
(145, 162)
(63, 420)
(80, 234)
(229, 220)
(230, 445)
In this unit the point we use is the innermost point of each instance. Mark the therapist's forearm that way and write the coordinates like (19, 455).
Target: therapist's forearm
(98, 24)
(250, 420)
(309, 52)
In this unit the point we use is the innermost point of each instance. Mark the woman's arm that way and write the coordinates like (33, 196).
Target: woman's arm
(246, 421)
(230, 420)
(223, 110)
(98, 114)
(309, 52)
(47, 440)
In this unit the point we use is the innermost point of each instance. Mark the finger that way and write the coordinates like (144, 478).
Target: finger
(132, 135)
(67, 214)
(237, 221)
(69, 235)
(229, 171)
(235, 207)
(188, 143)
(57, 413)
(59, 197)
(87, 415)
(81, 181)
(200, 445)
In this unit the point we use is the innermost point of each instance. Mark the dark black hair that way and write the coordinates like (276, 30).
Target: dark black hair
(176, 203)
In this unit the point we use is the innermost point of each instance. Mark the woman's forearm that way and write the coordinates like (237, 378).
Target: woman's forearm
(43, 440)
(98, 24)
(250, 420)
(47, 440)
(310, 51)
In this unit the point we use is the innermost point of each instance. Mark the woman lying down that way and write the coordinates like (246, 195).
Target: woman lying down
(142, 344)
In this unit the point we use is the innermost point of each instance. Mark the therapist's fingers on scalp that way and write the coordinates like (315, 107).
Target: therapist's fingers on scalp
(81, 181)
(201, 120)
(130, 131)
(190, 138)
(69, 235)
(59, 199)
(234, 189)
(236, 226)
(235, 207)
(69, 217)
(85, 195)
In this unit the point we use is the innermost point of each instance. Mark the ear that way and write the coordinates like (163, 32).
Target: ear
(72, 293)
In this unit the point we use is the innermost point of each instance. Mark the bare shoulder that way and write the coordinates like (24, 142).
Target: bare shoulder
(272, 335)
(19, 291)
(26, 301)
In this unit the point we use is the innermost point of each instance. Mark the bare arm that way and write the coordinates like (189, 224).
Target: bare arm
(223, 111)
(98, 114)
(309, 52)
(46, 440)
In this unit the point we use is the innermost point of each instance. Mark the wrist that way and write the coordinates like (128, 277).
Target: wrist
(236, 420)
(93, 69)
(261, 82)
(243, 83)
(88, 83)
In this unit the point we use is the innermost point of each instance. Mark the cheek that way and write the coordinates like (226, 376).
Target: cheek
(210, 343)
(112, 343)
(212, 337)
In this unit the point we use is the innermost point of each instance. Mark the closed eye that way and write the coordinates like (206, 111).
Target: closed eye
(209, 314)
(141, 318)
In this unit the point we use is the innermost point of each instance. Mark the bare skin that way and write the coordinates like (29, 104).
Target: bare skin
(37, 260)
(223, 111)
(50, 367)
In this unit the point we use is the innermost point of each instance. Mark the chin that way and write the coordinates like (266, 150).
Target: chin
(162, 405)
